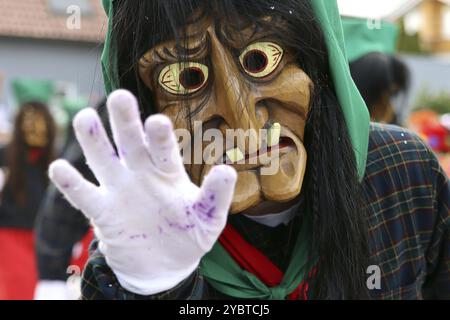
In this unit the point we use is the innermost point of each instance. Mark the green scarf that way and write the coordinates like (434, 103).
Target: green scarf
(226, 276)
(218, 267)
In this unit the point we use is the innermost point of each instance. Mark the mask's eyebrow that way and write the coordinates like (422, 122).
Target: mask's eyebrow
(231, 37)
(193, 43)
(240, 34)
(197, 49)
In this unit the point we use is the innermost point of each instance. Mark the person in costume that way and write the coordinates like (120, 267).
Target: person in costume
(60, 228)
(347, 194)
(25, 162)
(5, 121)
(378, 72)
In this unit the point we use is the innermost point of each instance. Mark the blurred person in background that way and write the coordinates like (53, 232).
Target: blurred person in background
(380, 78)
(25, 162)
(5, 125)
(62, 232)
(380, 75)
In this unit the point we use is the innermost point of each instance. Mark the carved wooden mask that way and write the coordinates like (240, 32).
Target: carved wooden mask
(236, 78)
(34, 128)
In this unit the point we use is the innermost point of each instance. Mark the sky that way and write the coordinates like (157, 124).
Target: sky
(383, 8)
(370, 8)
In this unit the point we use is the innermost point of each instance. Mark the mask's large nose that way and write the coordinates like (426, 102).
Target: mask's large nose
(235, 100)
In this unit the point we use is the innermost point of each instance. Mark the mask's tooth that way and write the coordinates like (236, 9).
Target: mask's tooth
(274, 134)
(235, 155)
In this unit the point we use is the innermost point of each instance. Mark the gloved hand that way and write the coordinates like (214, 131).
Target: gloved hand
(153, 224)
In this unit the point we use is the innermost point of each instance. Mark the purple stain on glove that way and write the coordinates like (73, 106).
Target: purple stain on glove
(66, 185)
(94, 129)
(181, 227)
(138, 236)
(122, 152)
(206, 207)
(209, 213)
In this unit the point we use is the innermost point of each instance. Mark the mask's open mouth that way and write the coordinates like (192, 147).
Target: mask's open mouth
(285, 142)
(251, 161)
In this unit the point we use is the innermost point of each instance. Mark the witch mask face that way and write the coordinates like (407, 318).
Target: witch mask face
(34, 129)
(243, 83)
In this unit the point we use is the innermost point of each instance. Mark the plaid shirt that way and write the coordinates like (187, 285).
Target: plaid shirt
(408, 200)
(59, 225)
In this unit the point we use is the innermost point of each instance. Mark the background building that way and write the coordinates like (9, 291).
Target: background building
(429, 20)
(58, 40)
(424, 43)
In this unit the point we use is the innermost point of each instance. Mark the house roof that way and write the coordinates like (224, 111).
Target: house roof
(389, 10)
(38, 19)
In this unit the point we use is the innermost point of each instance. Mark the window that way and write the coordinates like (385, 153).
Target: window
(446, 23)
(59, 7)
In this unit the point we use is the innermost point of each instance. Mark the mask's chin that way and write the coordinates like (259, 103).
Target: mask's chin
(35, 140)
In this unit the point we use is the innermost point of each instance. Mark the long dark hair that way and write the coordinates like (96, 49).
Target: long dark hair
(377, 74)
(17, 151)
(331, 188)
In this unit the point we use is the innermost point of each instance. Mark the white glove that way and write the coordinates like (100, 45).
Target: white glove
(153, 224)
(52, 290)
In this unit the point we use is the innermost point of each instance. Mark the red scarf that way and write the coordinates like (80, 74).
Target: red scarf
(35, 154)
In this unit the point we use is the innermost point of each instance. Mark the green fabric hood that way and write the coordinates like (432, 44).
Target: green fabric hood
(354, 108)
(363, 37)
(29, 90)
(73, 105)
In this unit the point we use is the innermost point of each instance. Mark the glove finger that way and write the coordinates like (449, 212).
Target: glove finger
(100, 155)
(128, 130)
(216, 195)
(163, 145)
(82, 194)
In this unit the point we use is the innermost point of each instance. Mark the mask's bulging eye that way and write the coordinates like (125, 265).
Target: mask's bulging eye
(255, 61)
(261, 59)
(184, 78)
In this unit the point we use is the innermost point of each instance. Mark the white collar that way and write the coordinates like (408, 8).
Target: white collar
(275, 219)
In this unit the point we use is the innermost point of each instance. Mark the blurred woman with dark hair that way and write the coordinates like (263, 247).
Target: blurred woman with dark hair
(25, 162)
(380, 77)
(378, 72)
